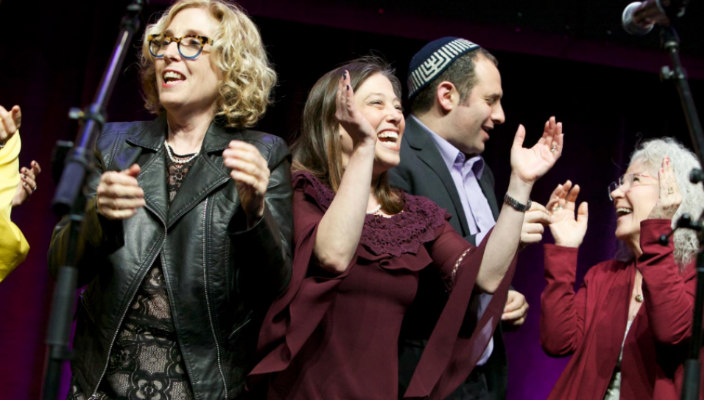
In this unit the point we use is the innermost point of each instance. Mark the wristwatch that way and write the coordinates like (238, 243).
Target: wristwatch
(515, 204)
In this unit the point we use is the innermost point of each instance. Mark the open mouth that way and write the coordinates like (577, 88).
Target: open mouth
(172, 76)
(389, 139)
(623, 211)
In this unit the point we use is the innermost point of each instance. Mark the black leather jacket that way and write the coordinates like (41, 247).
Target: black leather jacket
(220, 276)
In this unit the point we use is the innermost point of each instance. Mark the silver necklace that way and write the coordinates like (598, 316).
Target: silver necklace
(375, 210)
(175, 160)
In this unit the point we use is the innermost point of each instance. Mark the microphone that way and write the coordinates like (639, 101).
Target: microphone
(638, 18)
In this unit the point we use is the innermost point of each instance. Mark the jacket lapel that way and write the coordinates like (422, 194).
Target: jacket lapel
(149, 138)
(207, 173)
(425, 148)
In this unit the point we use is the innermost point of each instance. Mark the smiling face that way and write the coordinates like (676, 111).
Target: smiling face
(633, 203)
(188, 86)
(376, 100)
(472, 120)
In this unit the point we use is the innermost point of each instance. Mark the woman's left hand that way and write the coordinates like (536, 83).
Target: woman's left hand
(250, 172)
(530, 164)
(670, 198)
(28, 183)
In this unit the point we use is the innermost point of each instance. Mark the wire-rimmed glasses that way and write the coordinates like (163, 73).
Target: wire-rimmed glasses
(626, 181)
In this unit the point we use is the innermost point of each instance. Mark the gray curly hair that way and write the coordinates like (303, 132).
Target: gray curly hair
(650, 153)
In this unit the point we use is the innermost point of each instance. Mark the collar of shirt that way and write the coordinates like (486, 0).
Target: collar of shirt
(452, 156)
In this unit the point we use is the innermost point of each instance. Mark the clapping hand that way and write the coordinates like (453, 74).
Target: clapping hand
(351, 119)
(28, 183)
(119, 195)
(669, 198)
(532, 163)
(250, 171)
(566, 229)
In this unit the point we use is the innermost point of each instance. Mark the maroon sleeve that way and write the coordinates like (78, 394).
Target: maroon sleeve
(293, 317)
(668, 290)
(449, 357)
(562, 311)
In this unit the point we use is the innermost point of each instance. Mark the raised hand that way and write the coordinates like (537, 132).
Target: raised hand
(28, 183)
(566, 229)
(119, 195)
(351, 119)
(250, 172)
(669, 198)
(532, 163)
(10, 122)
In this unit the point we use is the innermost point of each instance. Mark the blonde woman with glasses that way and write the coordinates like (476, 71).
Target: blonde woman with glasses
(186, 238)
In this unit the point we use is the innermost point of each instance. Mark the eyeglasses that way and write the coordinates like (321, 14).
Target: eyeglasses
(189, 46)
(626, 181)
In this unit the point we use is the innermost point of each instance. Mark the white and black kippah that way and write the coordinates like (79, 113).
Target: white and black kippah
(433, 59)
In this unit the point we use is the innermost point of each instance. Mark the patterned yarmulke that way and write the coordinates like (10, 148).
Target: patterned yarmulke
(433, 59)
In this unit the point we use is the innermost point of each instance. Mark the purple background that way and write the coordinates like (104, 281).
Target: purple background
(605, 89)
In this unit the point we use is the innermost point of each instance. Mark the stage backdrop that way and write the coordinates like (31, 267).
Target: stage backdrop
(53, 55)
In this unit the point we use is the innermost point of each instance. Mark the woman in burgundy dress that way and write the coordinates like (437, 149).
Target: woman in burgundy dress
(359, 247)
(629, 324)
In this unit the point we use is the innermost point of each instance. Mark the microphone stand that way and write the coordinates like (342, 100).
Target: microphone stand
(692, 365)
(70, 199)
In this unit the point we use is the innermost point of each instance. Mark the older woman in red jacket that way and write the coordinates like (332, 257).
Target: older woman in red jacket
(629, 323)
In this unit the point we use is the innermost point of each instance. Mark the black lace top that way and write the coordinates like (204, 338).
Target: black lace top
(145, 361)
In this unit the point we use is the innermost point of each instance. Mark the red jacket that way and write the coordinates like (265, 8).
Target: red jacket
(590, 323)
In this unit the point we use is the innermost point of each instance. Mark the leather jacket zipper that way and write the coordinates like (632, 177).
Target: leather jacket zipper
(207, 298)
(95, 395)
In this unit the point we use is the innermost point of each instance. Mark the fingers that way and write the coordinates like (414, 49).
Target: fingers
(36, 168)
(571, 197)
(519, 137)
(531, 233)
(534, 223)
(118, 194)
(344, 96)
(583, 213)
(667, 180)
(553, 137)
(8, 126)
(28, 179)
(16, 113)
(516, 309)
(537, 214)
(132, 171)
(247, 166)
(558, 197)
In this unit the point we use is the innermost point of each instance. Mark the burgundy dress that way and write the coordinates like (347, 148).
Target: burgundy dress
(336, 337)
(591, 322)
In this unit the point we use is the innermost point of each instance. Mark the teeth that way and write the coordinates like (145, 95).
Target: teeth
(388, 135)
(172, 76)
(623, 211)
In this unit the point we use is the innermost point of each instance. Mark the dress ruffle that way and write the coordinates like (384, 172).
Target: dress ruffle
(405, 232)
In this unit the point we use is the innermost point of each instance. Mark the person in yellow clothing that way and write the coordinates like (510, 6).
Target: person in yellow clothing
(15, 187)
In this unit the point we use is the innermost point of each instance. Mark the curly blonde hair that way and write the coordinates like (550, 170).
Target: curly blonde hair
(237, 51)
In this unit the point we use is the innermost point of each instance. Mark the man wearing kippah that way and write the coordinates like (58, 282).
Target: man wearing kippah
(455, 101)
